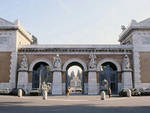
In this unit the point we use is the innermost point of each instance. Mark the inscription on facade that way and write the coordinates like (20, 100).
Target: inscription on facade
(3, 40)
(146, 40)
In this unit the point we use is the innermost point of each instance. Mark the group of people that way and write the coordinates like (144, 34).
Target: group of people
(69, 89)
(45, 88)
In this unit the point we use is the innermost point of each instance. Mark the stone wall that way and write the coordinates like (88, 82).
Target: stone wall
(7, 40)
(4, 66)
(145, 67)
(30, 77)
(64, 57)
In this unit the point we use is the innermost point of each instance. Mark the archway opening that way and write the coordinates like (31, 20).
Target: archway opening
(75, 78)
(108, 71)
(41, 73)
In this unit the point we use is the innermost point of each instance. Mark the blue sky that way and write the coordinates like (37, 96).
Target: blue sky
(75, 21)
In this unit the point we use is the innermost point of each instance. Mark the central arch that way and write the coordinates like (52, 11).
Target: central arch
(74, 60)
(74, 70)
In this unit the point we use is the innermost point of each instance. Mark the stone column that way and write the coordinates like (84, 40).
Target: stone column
(22, 80)
(92, 83)
(127, 79)
(57, 76)
(23, 75)
(57, 83)
(126, 73)
(13, 70)
(92, 75)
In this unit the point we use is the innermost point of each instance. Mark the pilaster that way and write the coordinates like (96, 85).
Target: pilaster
(92, 82)
(57, 83)
(127, 79)
(13, 69)
(23, 80)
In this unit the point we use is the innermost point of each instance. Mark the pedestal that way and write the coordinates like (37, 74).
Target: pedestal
(20, 93)
(57, 83)
(22, 80)
(127, 79)
(44, 95)
(92, 83)
(103, 95)
(129, 93)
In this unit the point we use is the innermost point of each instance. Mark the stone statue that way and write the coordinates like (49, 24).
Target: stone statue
(92, 63)
(104, 84)
(24, 64)
(57, 62)
(44, 87)
(123, 27)
(126, 63)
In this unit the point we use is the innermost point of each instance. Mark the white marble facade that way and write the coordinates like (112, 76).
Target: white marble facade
(134, 39)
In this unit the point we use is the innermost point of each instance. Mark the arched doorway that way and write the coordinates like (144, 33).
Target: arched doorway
(75, 78)
(108, 71)
(41, 73)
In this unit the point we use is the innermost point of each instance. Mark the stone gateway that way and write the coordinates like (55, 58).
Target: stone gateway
(25, 65)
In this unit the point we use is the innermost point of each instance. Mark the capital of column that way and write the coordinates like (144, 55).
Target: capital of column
(57, 70)
(92, 70)
(22, 70)
(127, 70)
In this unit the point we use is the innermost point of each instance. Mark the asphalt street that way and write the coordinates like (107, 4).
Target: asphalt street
(74, 104)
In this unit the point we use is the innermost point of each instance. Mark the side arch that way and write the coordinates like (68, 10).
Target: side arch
(109, 60)
(40, 60)
(74, 60)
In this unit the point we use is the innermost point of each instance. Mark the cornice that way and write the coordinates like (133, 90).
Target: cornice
(5, 27)
(129, 30)
(134, 25)
(76, 49)
(25, 33)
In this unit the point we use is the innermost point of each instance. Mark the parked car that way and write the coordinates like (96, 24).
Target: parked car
(145, 92)
(136, 91)
(123, 92)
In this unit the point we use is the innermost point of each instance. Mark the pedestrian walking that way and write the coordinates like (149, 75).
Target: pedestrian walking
(68, 91)
(109, 92)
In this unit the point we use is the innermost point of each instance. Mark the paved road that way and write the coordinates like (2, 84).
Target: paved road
(74, 104)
